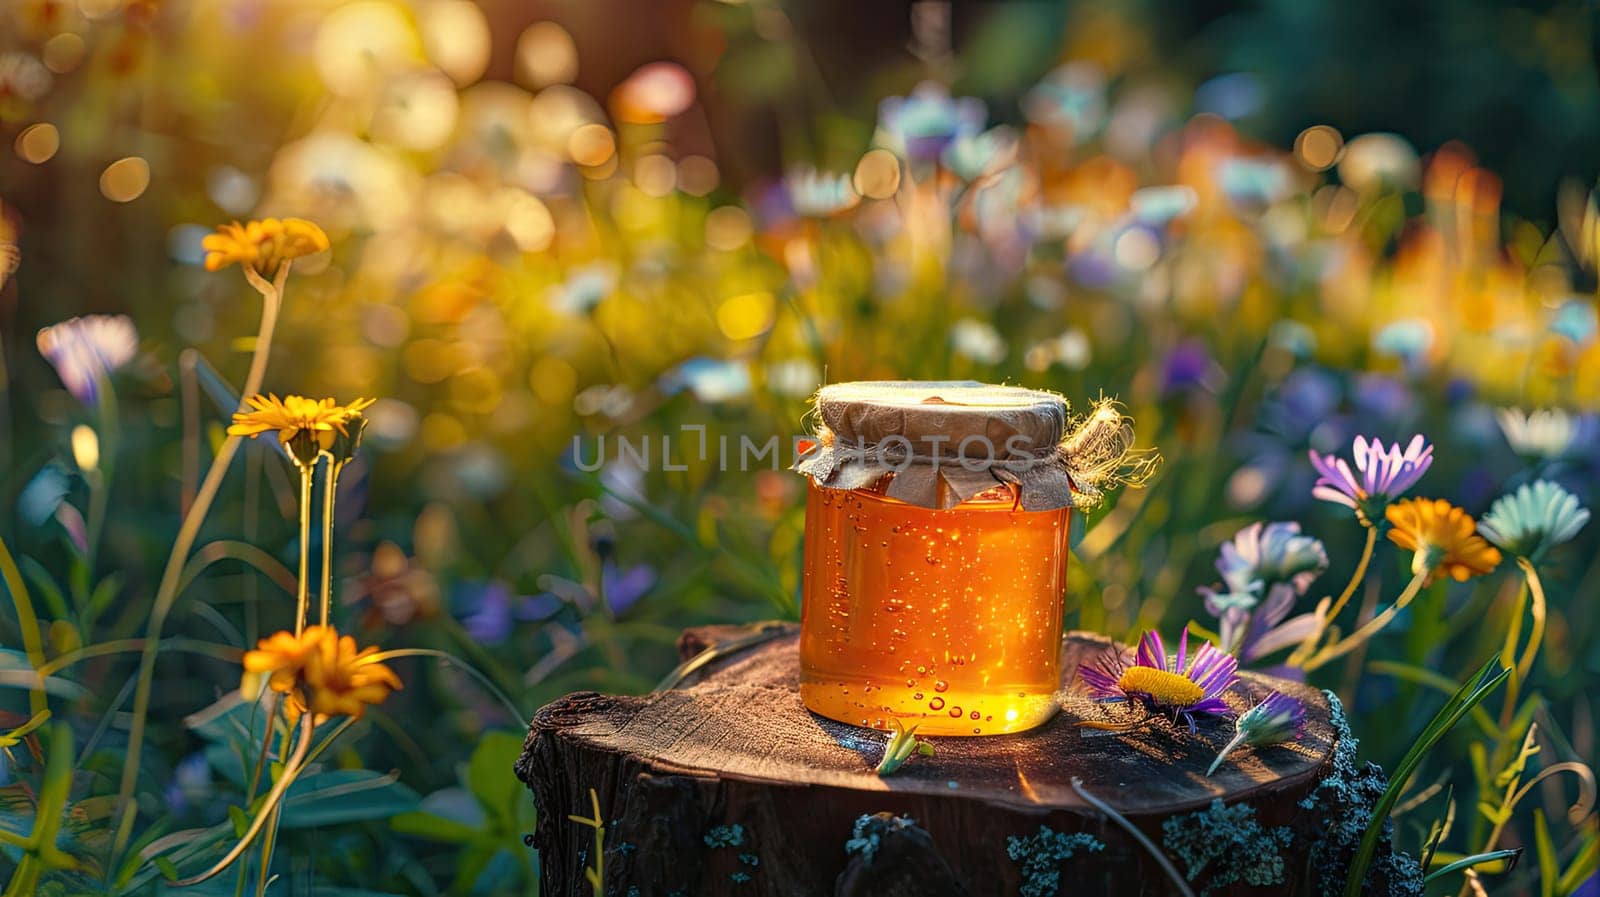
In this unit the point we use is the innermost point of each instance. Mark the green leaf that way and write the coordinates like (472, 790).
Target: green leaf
(241, 822)
(1469, 695)
(489, 770)
(451, 815)
(168, 870)
(1499, 860)
(1549, 866)
(1583, 866)
(345, 795)
(45, 586)
(434, 828)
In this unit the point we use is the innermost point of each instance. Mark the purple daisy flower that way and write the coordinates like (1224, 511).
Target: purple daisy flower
(1380, 474)
(1264, 569)
(1190, 684)
(1277, 719)
(85, 351)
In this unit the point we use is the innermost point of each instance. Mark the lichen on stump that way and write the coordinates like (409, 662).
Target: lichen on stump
(727, 785)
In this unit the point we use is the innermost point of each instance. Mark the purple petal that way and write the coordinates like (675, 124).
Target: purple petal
(1102, 674)
(1292, 632)
(1152, 653)
(624, 590)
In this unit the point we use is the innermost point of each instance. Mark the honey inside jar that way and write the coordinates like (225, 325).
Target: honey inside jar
(946, 618)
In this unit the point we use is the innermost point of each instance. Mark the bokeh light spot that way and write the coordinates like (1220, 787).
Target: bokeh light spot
(746, 316)
(727, 228)
(546, 55)
(63, 52)
(428, 360)
(697, 175)
(456, 37)
(99, 9)
(528, 222)
(475, 390)
(38, 143)
(442, 432)
(417, 111)
(553, 381)
(1318, 147)
(878, 174)
(655, 175)
(559, 111)
(1137, 249)
(231, 189)
(359, 45)
(591, 145)
(85, 448)
(653, 93)
(125, 180)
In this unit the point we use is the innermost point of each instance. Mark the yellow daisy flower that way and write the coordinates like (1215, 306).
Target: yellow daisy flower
(1443, 537)
(307, 426)
(320, 671)
(264, 245)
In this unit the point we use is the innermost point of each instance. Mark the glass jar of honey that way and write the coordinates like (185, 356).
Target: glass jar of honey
(938, 518)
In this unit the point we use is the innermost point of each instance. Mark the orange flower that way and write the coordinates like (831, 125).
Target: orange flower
(321, 671)
(1444, 538)
(343, 680)
(281, 657)
(262, 246)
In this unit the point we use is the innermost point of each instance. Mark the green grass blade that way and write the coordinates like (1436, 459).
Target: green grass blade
(1469, 695)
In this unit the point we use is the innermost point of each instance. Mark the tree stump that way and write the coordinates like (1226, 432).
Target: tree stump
(727, 785)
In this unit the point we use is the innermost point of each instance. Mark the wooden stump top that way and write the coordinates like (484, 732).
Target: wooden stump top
(740, 719)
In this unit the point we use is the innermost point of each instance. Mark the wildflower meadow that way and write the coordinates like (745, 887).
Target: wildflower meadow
(378, 372)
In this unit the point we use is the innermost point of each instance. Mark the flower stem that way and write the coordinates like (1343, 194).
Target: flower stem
(100, 480)
(1373, 627)
(1227, 749)
(1308, 647)
(167, 591)
(301, 591)
(330, 486)
(28, 622)
(292, 768)
(1522, 666)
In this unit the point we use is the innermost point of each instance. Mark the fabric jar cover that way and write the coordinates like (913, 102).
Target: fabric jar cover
(945, 441)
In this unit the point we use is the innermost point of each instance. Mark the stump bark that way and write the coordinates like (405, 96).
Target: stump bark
(727, 785)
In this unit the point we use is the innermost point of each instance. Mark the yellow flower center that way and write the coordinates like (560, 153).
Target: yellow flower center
(1171, 689)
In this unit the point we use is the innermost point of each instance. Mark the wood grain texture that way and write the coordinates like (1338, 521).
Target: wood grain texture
(733, 746)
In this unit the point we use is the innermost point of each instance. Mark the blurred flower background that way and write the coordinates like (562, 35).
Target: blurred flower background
(561, 227)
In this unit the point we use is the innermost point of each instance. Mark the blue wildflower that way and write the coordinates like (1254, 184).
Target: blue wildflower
(1534, 519)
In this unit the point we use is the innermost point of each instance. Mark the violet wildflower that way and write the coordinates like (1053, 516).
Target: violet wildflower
(921, 125)
(1381, 475)
(1191, 684)
(86, 351)
(1264, 568)
(1277, 719)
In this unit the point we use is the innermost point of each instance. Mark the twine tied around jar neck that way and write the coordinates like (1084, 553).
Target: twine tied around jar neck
(943, 442)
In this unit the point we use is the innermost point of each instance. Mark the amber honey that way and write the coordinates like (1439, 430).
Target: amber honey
(949, 619)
